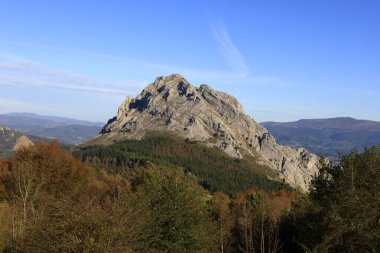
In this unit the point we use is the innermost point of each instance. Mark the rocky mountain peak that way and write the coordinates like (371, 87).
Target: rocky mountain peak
(172, 104)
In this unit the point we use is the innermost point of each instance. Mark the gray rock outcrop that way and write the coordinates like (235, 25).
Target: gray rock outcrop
(12, 140)
(216, 118)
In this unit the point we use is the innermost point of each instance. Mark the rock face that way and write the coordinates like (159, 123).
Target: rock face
(12, 140)
(22, 142)
(216, 118)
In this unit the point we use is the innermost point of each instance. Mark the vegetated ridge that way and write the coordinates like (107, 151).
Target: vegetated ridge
(214, 169)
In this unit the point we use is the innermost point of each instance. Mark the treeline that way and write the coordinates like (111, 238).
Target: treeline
(51, 201)
(215, 170)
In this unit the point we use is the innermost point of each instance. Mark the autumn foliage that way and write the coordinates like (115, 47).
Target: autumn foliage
(56, 203)
(51, 201)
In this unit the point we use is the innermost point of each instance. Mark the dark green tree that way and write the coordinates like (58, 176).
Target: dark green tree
(349, 194)
(343, 211)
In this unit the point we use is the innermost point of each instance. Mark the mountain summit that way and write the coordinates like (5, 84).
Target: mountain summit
(172, 104)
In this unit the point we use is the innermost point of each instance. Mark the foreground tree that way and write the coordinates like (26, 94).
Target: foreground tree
(222, 215)
(257, 217)
(57, 203)
(175, 206)
(343, 211)
(52, 202)
(350, 194)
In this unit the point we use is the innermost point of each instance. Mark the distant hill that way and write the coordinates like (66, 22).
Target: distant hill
(53, 120)
(66, 130)
(326, 136)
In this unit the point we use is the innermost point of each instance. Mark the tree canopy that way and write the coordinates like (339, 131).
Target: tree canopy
(51, 201)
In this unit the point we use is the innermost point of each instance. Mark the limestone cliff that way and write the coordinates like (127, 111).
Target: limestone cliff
(216, 118)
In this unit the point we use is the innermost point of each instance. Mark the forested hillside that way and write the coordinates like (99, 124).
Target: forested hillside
(215, 170)
(51, 201)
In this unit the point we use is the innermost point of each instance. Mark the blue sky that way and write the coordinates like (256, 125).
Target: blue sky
(284, 60)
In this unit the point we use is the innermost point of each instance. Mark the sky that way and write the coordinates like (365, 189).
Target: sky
(283, 60)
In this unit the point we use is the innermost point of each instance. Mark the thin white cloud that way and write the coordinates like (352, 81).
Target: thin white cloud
(230, 51)
(32, 74)
(42, 75)
(18, 72)
(98, 55)
(239, 74)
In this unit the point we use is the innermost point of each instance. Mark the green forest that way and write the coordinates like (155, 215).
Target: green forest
(172, 195)
(215, 170)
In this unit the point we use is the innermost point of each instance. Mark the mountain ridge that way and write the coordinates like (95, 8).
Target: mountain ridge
(66, 130)
(63, 120)
(329, 136)
(335, 122)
